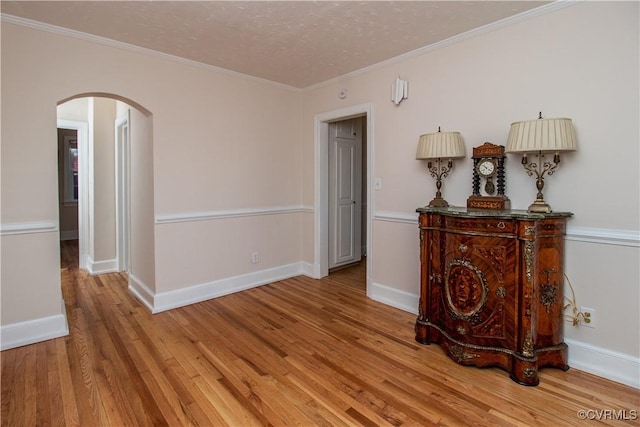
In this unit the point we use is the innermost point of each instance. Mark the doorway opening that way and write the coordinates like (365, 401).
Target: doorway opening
(68, 192)
(101, 183)
(73, 142)
(322, 184)
(347, 193)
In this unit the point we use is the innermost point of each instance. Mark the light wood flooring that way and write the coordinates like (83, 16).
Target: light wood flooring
(296, 352)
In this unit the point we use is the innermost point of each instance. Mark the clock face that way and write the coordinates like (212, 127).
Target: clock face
(486, 167)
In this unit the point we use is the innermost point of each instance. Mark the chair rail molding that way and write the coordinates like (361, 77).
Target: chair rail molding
(231, 213)
(28, 227)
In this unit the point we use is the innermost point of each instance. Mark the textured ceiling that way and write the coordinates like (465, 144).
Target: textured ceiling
(296, 43)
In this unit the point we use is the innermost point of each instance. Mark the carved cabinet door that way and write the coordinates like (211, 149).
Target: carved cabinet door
(478, 290)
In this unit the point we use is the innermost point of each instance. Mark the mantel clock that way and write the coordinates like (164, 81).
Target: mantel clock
(488, 165)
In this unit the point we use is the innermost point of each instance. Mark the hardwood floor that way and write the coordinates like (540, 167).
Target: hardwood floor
(295, 352)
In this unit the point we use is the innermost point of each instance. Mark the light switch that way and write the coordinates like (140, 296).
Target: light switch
(378, 184)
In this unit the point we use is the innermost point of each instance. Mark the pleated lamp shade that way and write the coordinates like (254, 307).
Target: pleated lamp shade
(546, 135)
(444, 145)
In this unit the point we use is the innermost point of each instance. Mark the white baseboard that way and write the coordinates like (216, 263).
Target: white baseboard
(33, 331)
(159, 302)
(102, 267)
(311, 270)
(141, 291)
(394, 297)
(614, 366)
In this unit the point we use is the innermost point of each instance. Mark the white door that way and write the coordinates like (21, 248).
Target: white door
(345, 192)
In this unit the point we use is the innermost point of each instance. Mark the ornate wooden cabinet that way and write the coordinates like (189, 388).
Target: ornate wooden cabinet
(491, 288)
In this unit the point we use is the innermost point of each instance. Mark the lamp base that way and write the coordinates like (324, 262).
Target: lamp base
(438, 202)
(539, 206)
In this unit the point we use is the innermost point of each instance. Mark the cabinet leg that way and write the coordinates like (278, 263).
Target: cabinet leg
(422, 333)
(524, 372)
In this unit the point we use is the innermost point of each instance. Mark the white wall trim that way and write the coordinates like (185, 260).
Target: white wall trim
(604, 236)
(102, 267)
(28, 227)
(403, 300)
(404, 218)
(614, 366)
(217, 288)
(141, 291)
(137, 49)
(33, 331)
(163, 301)
(222, 214)
(311, 270)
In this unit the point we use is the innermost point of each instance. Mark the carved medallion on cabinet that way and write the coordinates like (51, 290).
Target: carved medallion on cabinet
(466, 289)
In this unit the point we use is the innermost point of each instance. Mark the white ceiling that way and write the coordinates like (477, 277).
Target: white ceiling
(296, 43)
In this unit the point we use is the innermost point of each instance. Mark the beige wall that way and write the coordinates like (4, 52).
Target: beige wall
(30, 277)
(75, 109)
(142, 237)
(104, 201)
(583, 65)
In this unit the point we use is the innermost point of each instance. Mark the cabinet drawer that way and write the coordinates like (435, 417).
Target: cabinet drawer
(480, 225)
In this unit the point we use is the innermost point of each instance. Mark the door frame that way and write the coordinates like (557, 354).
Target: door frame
(122, 186)
(84, 171)
(321, 186)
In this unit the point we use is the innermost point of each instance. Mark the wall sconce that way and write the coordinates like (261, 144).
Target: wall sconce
(541, 136)
(399, 91)
(438, 146)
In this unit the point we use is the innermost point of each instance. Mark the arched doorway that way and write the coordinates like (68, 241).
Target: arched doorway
(114, 182)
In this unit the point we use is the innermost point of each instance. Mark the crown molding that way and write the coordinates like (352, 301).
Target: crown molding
(41, 26)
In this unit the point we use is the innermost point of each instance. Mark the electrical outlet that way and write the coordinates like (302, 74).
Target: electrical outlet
(588, 317)
(255, 257)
